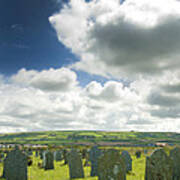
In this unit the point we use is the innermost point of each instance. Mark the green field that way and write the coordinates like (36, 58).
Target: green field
(68, 137)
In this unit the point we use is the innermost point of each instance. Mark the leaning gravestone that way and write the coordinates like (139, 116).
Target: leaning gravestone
(175, 157)
(158, 166)
(15, 166)
(48, 160)
(75, 165)
(94, 154)
(111, 166)
(58, 156)
(128, 160)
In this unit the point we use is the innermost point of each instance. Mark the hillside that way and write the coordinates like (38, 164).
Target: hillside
(85, 137)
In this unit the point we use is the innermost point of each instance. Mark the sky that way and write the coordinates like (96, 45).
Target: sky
(89, 65)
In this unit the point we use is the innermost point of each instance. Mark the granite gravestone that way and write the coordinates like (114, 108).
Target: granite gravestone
(111, 166)
(128, 160)
(48, 160)
(75, 165)
(175, 157)
(15, 166)
(58, 156)
(158, 166)
(94, 154)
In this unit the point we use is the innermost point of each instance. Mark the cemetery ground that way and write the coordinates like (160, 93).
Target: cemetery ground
(61, 171)
(133, 142)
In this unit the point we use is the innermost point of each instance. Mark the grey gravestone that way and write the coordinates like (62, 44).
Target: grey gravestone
(58, 156)
(158, 166)
(138, 154)
(75, 165)
(65, 156)
(128, 160)
(111, 166)
(87, 159)
(15, 166)
(36, 154)
(94, 154)
(48, 160)
(41, 154)
(84, 153)
(175, 157)
(145, 151)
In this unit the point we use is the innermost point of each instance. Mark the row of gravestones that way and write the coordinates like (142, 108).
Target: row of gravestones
(15, 164)
(106, 165)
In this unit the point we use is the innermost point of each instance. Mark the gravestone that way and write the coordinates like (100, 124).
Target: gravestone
(58, 156)
(41, 152)
(84, 153)
(175, 157)
(94, 154)
(75, 165)
(30, 152)
(15, 166)
(48, 160)
(158, 166)
(145, 151)
(87, 159)
(65, 156)
(36, 154)
(138, 154)
(128, 160)
(111, 166)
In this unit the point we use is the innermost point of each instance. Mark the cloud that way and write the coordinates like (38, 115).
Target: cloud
(47, 80)
(136, 37)
(111, 106)
(163, 100)
(112, 91)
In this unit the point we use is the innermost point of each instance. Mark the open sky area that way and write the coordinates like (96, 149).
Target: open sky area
(89, 65)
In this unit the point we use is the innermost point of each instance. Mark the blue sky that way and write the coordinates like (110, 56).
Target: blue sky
(89, 65)
(27, 38)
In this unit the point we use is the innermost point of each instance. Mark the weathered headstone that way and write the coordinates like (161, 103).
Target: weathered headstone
(75, 165)
(41, 152)
(48, 160)
(128, 160)
(15, 166)
(84, 153)
(138, 154)
(158, 166)
(36, 153)
(94, 154)
(58, 156)
(145, 151)
(65, 152)
(175, 157)
(111, 166)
